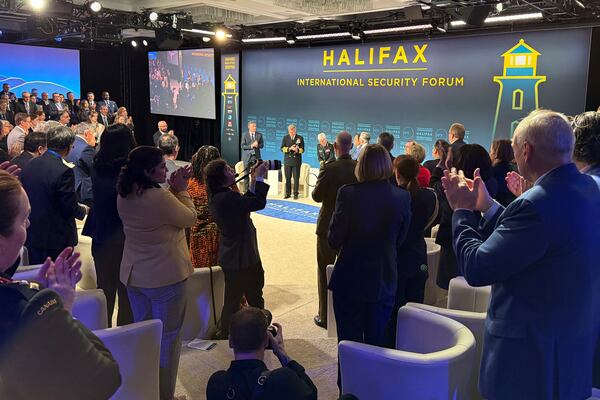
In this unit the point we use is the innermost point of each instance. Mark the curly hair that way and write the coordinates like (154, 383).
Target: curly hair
(586, 127)
(201, 158)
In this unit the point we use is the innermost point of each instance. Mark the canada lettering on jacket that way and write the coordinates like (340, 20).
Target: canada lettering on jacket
(376, 56)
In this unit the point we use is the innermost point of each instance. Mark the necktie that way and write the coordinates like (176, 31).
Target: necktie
(104, 119)
(253, 137)
(27, 107)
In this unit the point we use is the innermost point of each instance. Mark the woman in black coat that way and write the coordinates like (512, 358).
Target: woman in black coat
(104, 224)
(502, 156)
(370, 222)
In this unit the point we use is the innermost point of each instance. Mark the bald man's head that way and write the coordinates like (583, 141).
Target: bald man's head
(343, 143)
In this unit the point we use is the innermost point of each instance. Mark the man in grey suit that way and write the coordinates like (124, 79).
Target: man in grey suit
(540, 255)
(252, 142)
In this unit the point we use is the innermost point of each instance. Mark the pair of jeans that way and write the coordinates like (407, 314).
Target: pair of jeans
(249, 282)
(166, 303)
(289, 171)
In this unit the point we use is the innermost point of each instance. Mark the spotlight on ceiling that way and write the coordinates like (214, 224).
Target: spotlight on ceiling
(145, 43)
(95, 6)
(206, 39)
(356, 33)
(134, 43)
(220, 35)
(442, 27)
(580, 3)
(153, 16)
(38, 5)
(499, 7)
(290, 38)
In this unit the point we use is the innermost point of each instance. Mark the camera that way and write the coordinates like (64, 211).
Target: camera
(270, 328)
(273, 164)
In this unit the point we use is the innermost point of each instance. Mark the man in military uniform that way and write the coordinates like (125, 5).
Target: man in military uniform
(292, 146)
(325, 151)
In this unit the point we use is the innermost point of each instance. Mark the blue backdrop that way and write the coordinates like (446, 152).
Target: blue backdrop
(47, 69)
(414, 89)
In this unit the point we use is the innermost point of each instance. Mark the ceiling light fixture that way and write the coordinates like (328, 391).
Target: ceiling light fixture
(290, 38)
(220, 35)
(399, 29)
(579, 3)
(324, 36)
(504, 18)
(95, 6)
(356, 34)
(38, 5)
(153, 16)
(499, 7)
(205, 39)
(134, 43)
(264, 40)
(145, 43)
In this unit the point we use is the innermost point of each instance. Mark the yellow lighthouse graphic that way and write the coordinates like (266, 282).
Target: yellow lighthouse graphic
(230, 101)
(518, 94)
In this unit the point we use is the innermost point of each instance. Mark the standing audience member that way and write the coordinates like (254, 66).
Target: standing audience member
(5, 113)
(386, 139)
(169, 144)
(97, 127)
(82, 157)
(417, 151)
(238, 248)
(469, 159)
(34, 146)
(50, 184)
(65, 118)
(252, 142)
(110, 104)
(128, 120)
(104, 117)
(44, 102)
(522, 251)
(91, 101)
(370, 221)
(292, 146)
(55, 108)
(332, 176)
(16, 137)
(25, 105)
(412, 253)
(156, 259)
(163, 129)
(502, 157)
(325, 152)
(586, 152)
(84, 111)
(456, 137)
(204, 235)
(73, 106)
(363, 140)
(440, 150)
(45, 353)
(104, 224)
(248, 377)
(5, 128)
(38, 118)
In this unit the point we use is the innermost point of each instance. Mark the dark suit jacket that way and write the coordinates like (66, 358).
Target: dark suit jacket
(412, 253)
(156, 136)
(292, 159)
(82, 155)
(109, 120)
(455, 146)
(22, 159)
(54, 112)
(370, 221)
(541, 257)
(238, 248)
(4, 156)
(8, 116)
(247, 149)
(50, 185)
(332, 176)
(20, 107)
(112, 106)
(499, 171)
(431, 164)
(325, 153)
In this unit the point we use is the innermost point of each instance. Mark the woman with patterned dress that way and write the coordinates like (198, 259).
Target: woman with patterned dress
(204, 237)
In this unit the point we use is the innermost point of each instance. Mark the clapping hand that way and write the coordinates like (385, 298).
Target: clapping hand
(178, 181)
(516, 183)
(461, 192)
(62, 275)
(12, 169)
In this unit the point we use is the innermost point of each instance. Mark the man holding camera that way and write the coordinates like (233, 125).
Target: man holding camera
(248, 376)
(238, 247)
(292, 146)
(252, 142)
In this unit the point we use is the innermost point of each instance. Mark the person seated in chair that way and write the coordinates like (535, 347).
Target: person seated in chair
(248, 377)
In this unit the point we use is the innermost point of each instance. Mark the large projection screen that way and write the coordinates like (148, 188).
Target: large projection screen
(182, 83)
(43, 68)
(414, 89)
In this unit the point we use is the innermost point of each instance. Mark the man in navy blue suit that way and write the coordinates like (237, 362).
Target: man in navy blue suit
(541, 255)
(82, 157)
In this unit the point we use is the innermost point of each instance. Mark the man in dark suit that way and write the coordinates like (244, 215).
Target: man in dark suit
(332, 176)
(456, 137)
(325, 151)
(238, 247)
(542, 262)
(44, 102)
(106, 101)
(5, 113)
(25, 105)
(292, 146)
(55, 108)
(162, 130)
(34, 146)
(104, 117)
(82, 156)
(6, 91)
(252, 142)
(50, 185)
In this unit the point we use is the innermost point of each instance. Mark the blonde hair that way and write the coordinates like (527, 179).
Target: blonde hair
(121, 111)
(374, 164)
(417, 151)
